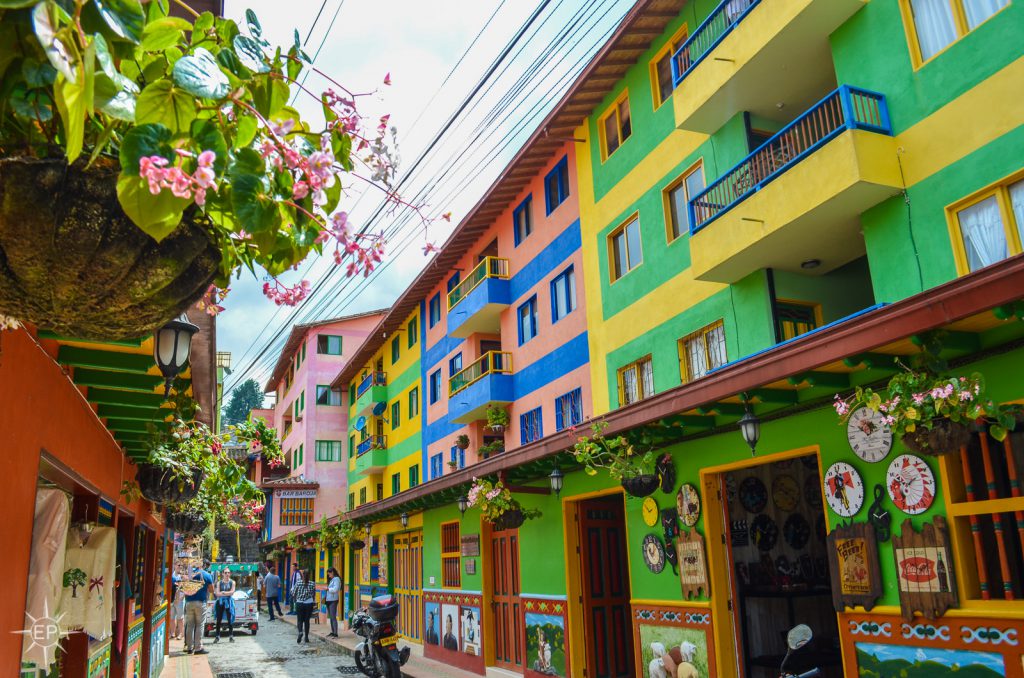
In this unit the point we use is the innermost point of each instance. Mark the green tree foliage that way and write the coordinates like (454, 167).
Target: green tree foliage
(245, 397)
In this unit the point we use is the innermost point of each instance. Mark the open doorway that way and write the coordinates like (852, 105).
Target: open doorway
(604, 587)
(774, 526)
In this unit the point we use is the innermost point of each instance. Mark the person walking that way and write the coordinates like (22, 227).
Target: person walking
(292, 582)
(195, 609)
(259, 591)
(304, 595)
(273, 585)
(224, 604)
(331, 596)
(177, 606)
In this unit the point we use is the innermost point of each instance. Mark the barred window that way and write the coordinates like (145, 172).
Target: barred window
(451, 563)
(701, 352)
(636, 381)
(297, 511)
(569, 409)
(531, 426)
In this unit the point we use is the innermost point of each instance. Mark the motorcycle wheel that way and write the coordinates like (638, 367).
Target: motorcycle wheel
(388, 668)
(367, 668)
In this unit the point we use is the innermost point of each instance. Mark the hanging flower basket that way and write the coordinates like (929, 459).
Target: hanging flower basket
(161, 486)
(510, 520)
(357, 544)
(642, 485)
(187, 523)
(944, 437)
(75, 264)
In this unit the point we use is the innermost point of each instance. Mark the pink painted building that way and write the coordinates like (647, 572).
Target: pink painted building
(311, 419)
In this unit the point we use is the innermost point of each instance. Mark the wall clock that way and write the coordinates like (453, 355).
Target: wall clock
(785, 493)
(753, 494)
(812, 491)
(844, 489)
(868, 435)
(666, 473)
(670, 523)
(796, 531)
(688, 502)
(654, 553)
(911, 484)
(650, 512)
(764, 532)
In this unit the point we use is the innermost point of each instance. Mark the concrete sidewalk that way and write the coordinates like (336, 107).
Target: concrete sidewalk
(181, 665)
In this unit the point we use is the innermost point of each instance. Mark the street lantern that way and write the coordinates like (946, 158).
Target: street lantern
(368, 528)
(556, 478)
(750, 427)
(171, 346)
(405, 519)
(463, 504)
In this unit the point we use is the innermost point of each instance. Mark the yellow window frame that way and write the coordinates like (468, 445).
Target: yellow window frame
(670, 47)
(613, 109)
(959, 23)
(666, 200)
(635, 365)
(1001, 190)
(702, 333)
(610, 246)
(819, 318)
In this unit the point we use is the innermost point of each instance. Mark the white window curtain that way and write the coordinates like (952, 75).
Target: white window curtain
(979, 10)
(983, 234)
(933, 20)
(697, 359)
(1017, 205)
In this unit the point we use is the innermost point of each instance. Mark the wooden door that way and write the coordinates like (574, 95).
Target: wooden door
(505, 603)
(605, 586)
(408, 580)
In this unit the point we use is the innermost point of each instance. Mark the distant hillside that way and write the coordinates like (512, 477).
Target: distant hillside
(871, 667)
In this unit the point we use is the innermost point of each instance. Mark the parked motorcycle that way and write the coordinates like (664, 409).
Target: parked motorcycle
(377, 655)
(798, 637)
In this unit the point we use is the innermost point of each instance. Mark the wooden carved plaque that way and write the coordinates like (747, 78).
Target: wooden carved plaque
(924, 569)
(693, 569)
(853, 564)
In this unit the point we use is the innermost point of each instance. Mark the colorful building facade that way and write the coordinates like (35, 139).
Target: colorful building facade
(776, 202)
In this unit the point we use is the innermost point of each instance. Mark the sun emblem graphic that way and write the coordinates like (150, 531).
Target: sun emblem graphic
(45, 632)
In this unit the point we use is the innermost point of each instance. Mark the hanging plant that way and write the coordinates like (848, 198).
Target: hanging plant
(497, 418)
(932, 414)
(493, 447)
(498, 506)
(633, 467)
(262, 439)
(144, 157)
(462, 442)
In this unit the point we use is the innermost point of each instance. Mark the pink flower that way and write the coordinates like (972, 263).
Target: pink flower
(300, 189)
(430, 247)
(320, 163)
(387, 79)
(919, 398)
(283, 128)
(206, 158)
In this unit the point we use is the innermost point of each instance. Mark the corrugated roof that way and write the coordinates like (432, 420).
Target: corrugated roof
(641, 25)
(291, 481)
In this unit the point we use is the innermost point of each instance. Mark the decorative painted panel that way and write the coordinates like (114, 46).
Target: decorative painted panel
(157, 640)
(99, 659)
(547, 641)
(453, 632)
(684, 633)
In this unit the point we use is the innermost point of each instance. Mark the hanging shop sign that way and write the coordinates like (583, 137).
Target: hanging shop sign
(693, 569)
(853, 563)
(469, 545)
(295, 494)
(924, 569)
(470, 566)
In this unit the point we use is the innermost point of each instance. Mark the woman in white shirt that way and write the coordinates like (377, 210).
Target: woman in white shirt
(332, 595)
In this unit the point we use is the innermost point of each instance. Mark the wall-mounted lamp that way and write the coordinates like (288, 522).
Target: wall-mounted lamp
(750, 427)
(556, 478)
(463, 504)
(405, 519)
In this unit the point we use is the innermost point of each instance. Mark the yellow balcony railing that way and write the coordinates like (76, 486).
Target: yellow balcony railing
(490, 267)
(492, 362)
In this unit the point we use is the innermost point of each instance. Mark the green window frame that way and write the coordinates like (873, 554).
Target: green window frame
(328, 344)
(328, 450)
(413, 332)
(414, 476)
(414, 402)
(396, 483)
(396, 351)
(327, 396)
(396, 414)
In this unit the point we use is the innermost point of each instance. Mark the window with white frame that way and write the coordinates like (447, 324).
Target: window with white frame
(563, 294)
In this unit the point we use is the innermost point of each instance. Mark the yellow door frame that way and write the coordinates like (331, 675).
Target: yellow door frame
(719, 569)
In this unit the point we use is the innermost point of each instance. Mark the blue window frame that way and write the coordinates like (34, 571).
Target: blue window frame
(556, 185)
(527, 316)
(437, 465)
(531, 426)
(435, 309)
(522, 220)
(569, 410)
(458, 456)
(563, 294)
(453, 281)
(435, 386)
(455, 364)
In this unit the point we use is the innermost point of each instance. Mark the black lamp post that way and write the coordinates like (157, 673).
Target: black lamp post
(405, 519)
(556, 478)
(171, 346)
(463, 504)
(750, 427)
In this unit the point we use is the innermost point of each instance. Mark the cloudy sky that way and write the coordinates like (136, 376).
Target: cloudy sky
(436, 53)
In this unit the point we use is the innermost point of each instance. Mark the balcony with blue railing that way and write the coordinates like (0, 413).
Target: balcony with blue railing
(372, 389)
(476, 303)
(759, 56)
(484, 382)
(372, 455)
(798, 197)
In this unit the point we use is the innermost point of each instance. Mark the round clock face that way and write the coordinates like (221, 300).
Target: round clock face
(785, 493)
(911, 484)
(796, 531)
(688, 502)
(844, 489)
(869, 436)
(650, 511)
(654, 553)
(753, 494)
(764, 532)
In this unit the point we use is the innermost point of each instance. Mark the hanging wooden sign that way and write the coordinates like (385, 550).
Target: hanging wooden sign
(853, 563)
(924, 569)
(469, 545)
(693, 570)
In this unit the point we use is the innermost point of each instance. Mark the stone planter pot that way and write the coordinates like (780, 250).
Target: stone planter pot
(497, 428)
(641, 486)
(74, 263)
(160, 486)
(944, 437)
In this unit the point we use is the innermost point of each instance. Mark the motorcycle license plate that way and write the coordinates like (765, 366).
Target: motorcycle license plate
(389, 641)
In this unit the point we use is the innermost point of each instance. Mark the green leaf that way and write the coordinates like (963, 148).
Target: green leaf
(269, 95)
(144, 141)
(163, 33)
(30, 104)
(208, 137)
(253, 204)
(46, 26)
(227, 30)
(103, 56)
(341, 145)
(229, 60)
(16, 4)
(199, 74)
(125, 17)
(157, 215)
(246, 130)
(204, 22)
(250, 54)
(71, 103)
(248, 161)
(998, 432)
(116, 97)
(254, 23)
(38, 73)
(162, 103)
